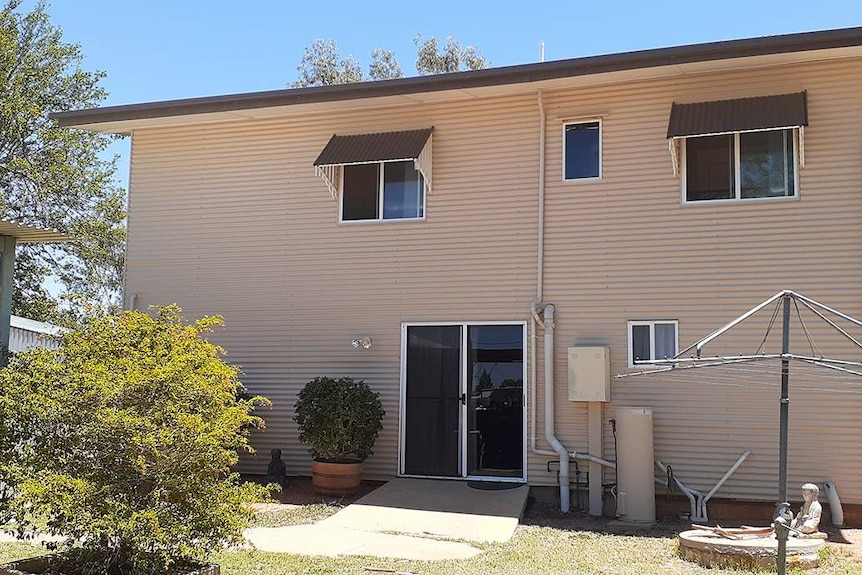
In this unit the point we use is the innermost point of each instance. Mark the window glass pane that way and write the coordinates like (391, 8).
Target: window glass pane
(403, 190)
(359, 193)
(791, 162)
(765, 163)
(582, 150)
(709, 168)
(640, 343)
(665, 340)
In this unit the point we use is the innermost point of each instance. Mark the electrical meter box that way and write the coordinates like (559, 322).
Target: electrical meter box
(589, 373)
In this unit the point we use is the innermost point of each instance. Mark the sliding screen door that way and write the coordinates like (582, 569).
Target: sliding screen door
(433, 401)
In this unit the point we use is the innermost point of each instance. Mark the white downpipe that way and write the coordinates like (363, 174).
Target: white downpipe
(834, 503)
(548, 324)
(549, 409)
(721, 481)
(534, 333)
(540, 256)
(535, 308)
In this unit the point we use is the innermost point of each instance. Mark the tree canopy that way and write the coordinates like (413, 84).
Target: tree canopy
(321, 64)
(123, 442)
(56, 178)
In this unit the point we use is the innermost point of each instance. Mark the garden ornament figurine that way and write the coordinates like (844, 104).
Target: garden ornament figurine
(807, 521)
(276, 470)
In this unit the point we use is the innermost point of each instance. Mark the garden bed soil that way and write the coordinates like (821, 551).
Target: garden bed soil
(299, 491)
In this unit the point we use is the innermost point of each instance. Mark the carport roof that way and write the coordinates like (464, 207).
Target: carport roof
(27, 234)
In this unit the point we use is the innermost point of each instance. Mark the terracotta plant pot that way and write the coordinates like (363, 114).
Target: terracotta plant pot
(39, 565)
(335, 479)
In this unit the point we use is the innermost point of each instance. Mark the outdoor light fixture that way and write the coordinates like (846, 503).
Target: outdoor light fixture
(361, 343)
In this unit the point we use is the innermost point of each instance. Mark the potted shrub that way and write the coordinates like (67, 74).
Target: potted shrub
(339, 419)
(122, 442)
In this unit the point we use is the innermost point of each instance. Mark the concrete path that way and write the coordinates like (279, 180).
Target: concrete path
(329, 541)
(448, 509)
(427, 509)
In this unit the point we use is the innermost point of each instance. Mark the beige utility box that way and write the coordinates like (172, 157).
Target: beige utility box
(589, 373)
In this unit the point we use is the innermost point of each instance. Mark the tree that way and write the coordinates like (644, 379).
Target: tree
(56, 178)
(122, 441)
(384, 66)
(453, 58)
(322, 66)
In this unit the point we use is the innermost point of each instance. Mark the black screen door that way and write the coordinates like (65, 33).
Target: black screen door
(433, 401)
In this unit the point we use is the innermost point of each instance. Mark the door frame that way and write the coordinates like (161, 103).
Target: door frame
(462, 414)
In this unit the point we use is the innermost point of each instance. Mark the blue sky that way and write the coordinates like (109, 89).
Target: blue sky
(159, 50)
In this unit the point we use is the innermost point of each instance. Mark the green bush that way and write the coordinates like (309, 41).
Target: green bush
(339, 418)
(123, 440)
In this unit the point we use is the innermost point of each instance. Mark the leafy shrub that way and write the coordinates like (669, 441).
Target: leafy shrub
(339, 418)
(123, 440)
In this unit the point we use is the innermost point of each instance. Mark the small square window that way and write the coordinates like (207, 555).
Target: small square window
(582, 150)
(382, 191)
(650, 340)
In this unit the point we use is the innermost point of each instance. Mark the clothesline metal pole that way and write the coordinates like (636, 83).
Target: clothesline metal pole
(784, 409)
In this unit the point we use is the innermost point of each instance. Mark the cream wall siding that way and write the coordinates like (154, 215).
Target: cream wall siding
(230, 219)
(625, 248)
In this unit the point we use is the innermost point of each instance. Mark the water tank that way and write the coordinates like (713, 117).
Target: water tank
(635, 483)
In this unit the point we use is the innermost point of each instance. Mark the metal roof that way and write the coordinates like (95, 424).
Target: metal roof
(27, 234)
(724, 116)
(373, 147)
(508, 75)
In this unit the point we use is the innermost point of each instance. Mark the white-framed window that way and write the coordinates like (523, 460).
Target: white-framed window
(652, 339)
(388, 190)
(740, 166)
(582, 150)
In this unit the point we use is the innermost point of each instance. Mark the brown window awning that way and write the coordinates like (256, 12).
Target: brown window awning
(741, 115)
(381, 147)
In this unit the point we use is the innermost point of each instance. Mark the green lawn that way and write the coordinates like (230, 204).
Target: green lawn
(558, 546)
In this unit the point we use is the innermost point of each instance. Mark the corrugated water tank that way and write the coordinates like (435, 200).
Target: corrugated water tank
(589, 373)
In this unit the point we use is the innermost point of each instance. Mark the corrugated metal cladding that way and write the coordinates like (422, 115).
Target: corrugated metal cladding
(373, 147)
(230, 218)
(26, 333)
(626, 248)
(720, 117)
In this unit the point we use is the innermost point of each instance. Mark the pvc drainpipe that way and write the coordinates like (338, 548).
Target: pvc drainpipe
(536, 307)
(834, 503)
(540, 256)
(548, 324)
(694, 496)
(549, 409)
(721, 481)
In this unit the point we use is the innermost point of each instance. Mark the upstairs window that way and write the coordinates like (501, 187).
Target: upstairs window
(736, 150)
(380, 176)
(582, 150)
(740, 166)
(382, 191)
(650, 340)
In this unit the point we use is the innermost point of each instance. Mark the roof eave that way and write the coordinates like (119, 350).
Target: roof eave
(519, 74)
